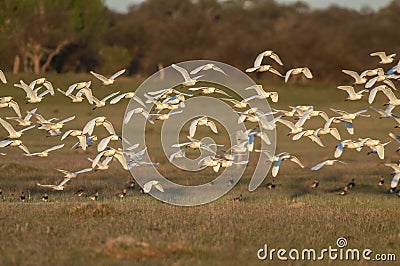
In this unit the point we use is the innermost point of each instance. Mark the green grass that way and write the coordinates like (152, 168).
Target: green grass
(141, 230)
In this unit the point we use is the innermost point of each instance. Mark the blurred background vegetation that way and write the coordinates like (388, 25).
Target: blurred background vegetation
(61, 36)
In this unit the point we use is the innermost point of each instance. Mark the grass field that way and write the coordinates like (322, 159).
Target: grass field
(138, 229)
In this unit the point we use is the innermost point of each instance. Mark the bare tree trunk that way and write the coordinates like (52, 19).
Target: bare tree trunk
(25, 62)
(161, 70)
(17, 61)
(35, 54)
(52, 54)
(36, 63)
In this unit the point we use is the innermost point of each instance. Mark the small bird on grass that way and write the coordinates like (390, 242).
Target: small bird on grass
(132, 184)
(270, 185)
(22, 197)
(122, 194)
(79, 192)
(351, 184)
(94, 196)
(45, 197)
(240, 198)
(344, 191)
(315, 184)
(381, 181)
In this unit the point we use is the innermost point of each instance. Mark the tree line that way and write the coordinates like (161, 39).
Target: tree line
(77, 36)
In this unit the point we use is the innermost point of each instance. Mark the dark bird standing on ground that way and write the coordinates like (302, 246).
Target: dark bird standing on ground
(94, 196)
(122, 194)
(240, 198)
(45, 197)
(351, 184)
(381, 181)
(270, 185)
(79, 192)
(22, 197)
(344, 191)
(132, 185)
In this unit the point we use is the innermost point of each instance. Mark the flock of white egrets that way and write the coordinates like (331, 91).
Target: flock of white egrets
(372, 81)
(77, 92)
(173, 101)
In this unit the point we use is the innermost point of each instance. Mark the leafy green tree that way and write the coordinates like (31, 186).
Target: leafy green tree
(41, 29)
(114, 58)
